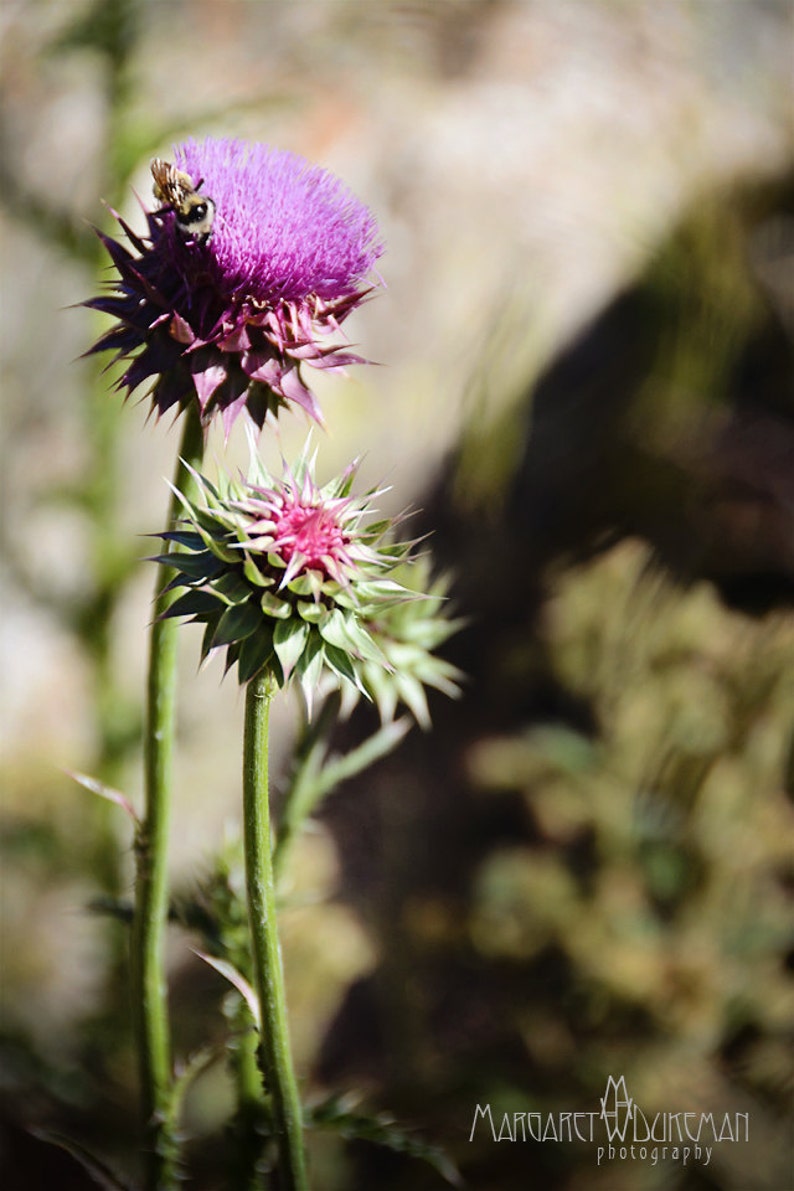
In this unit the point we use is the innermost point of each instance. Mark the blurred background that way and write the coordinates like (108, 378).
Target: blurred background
(585, 388)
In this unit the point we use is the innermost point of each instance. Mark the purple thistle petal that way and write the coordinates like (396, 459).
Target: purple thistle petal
(141, 368)
(238, 340)
(180, 330)
(172, 387)
(207, 376)
(116, 251)
(292, 387)
(229, 412)
(261, 366)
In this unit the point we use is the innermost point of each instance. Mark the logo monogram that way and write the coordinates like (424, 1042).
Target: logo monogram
(615, 1098)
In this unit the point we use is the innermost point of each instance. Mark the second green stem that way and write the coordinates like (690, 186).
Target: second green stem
(268, 972)
(149, 994)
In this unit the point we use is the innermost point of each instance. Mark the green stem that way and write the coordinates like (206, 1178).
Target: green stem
(268, 973)
(150, 1004)
(252, 1118)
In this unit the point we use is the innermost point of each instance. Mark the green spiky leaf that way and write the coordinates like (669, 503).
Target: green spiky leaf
(238, 622)
(255, 652)
(381, 1129)
(289, 640)
(193, 603)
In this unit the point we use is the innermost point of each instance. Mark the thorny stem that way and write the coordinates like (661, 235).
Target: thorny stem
(252, 1118)
(150, 1004)
(268, 972)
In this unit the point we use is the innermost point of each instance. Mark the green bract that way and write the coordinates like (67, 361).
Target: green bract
(302, 581)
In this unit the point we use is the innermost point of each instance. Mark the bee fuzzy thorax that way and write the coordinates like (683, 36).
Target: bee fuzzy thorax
(175, 191)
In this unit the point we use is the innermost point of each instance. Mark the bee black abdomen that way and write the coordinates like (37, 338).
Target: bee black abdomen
(195, 220)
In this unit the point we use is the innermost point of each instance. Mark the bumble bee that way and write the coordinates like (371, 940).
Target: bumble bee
(175, 190)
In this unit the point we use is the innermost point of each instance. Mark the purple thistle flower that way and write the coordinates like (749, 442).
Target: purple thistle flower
(229, 317)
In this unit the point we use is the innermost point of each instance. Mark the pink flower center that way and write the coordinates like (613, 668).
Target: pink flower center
(312, 533)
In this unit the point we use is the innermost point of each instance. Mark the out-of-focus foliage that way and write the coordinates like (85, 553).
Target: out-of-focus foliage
(658, 868)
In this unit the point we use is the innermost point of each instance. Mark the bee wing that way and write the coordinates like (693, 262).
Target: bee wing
(161, 173)
(160, 170)
(170, 184)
